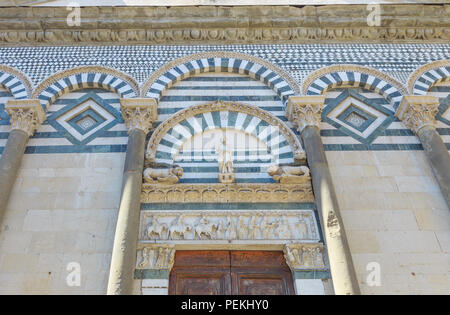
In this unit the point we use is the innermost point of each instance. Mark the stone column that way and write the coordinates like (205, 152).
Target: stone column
(305, 113)
(418, 114)
(25, 117)
(138, 114)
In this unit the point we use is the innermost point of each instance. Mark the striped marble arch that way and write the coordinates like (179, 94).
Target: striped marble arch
(261, 70)
(337, 76)
(15, 82)
(169, 136)
(85, 77)
(428, 75)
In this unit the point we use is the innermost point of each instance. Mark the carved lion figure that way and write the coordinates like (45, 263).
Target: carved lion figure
(289, 174)
(163, 175)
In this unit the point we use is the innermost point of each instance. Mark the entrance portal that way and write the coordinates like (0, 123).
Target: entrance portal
(230, 272)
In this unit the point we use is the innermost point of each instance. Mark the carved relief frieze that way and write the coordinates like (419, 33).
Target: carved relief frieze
(199, 35)
(229, 225)
(248, 192)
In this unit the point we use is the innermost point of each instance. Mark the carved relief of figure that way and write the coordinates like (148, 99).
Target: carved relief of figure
(242, 229)
(302, 227)
(253, 228)
(221, 229)
(231, 231)
(225, 159)
(147, 257)
(292, 256)
(205, 229)
(317, 257)
(177, 229)
(289, 174)
(156, 230)
(307, 257)
(283, 230)
(164, 258)
(267, 229)
(163, 175)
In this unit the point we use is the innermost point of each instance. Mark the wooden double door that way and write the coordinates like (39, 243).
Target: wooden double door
(230, 272)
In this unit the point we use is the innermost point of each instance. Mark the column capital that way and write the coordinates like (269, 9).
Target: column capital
(305, 111)
(25, 115)
(418, 111)
(139, 113)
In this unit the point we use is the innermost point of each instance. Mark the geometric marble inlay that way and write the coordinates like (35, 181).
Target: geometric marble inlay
(85, 119)
(351, 113)
(357, 118)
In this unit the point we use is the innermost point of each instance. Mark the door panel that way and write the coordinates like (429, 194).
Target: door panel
(201, 272)
(212, 281)
(230, 272)
(261, 281)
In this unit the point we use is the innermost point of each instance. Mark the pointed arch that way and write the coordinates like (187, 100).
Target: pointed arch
(85, 77)
(220, 61)
(15, 81)
(424, 77)
(182, 126)
(334, 76)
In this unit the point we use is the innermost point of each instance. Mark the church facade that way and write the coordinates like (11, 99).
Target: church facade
(224, 149)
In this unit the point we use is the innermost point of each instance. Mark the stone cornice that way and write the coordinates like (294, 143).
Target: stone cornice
(25, 115)
(418, 111)
(216, 24)
(139, 113)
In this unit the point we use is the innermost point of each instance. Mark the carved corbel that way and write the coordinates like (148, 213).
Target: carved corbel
(418, 112)
(156, 256)
(304, 256)
(305, 111)
(139, 113)
(25, 115)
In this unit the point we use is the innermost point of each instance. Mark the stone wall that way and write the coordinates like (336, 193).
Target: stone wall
(394, 214)
(63, 209)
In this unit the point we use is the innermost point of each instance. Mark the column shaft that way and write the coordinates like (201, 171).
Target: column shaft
(439, 158)
(341, 263)
(10, 164)
(123, 258)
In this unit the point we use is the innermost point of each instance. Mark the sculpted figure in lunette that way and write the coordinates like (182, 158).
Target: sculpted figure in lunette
(289, 174)
(163, 175)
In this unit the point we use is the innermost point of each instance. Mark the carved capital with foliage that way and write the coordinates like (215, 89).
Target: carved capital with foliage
(25, 115)
(305, 111)
(418, 111)
(139, 113)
